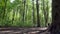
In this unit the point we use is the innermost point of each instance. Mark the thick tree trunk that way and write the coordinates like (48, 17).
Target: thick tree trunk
(55, 26)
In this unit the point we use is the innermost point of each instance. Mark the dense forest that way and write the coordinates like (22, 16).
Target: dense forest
(25, 13)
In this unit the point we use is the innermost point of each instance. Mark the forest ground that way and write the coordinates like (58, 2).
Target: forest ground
(16, 30)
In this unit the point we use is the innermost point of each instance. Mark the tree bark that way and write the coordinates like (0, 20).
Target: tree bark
(4, 8)
(55, 26)
(24, 1)
(13, 16)
(33, 12)
(38, 18)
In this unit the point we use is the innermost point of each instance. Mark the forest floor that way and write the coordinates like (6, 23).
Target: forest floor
(10, 30)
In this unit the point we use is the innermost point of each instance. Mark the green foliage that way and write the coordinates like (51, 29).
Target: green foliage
(11, 13)
(28, 24)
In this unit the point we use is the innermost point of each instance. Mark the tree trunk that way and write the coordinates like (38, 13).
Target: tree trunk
(13, 16)
(44, 11)
(24, 11)
(38, 18)
(55, 26)
(33, 12)
(5, 2)
(47, 13)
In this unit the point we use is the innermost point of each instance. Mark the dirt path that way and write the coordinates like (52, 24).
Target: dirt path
(22, 30)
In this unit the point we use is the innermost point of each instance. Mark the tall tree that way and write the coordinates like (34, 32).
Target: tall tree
(26, 10)
(44, 12)
(13, 16)
(47, 11)
(4, 7)
(38, 18)
(33, 12)
(55, 25)
(24, 1)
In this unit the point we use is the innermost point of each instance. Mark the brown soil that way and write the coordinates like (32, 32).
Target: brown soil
(10, 30)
